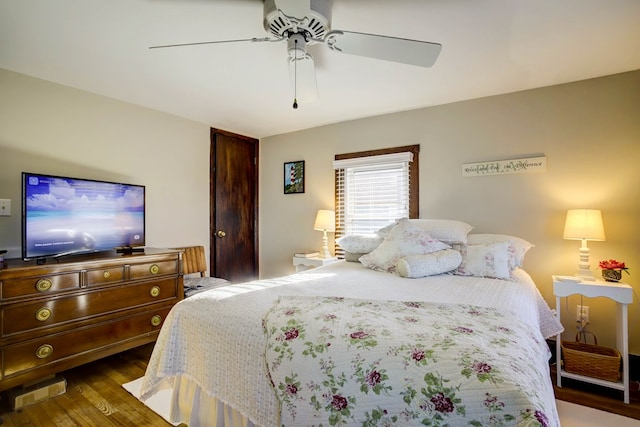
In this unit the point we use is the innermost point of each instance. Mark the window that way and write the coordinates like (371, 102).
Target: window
(374, 188)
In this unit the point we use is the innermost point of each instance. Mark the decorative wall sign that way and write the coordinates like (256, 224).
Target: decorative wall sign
(294, 177)
(499, 167)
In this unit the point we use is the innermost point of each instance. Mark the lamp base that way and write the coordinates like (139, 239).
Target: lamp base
(324, 253)
(585, 274)
(584, 268)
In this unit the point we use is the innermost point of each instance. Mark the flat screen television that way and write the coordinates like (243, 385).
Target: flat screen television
(65, 216)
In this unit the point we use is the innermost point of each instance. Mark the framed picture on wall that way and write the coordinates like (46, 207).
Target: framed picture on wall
(294, 177)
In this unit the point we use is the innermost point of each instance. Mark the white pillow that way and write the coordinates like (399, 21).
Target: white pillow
(404, 239)
(446, 230)
(352, 256)
(359, 243)
(490, 260)
(517, 250)
(438, 262)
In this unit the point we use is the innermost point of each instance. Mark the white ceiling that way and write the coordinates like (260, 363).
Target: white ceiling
(489, 47)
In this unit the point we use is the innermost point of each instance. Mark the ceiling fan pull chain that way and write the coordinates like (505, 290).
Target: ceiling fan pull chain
(295, 78)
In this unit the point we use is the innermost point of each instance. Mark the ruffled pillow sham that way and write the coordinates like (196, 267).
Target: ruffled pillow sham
(403, 240)
(352, 256)
(359, 243)
(517, 247)
(446, 230)
(490, 260)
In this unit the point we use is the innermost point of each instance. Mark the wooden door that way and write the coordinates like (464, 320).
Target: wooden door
(234, 206)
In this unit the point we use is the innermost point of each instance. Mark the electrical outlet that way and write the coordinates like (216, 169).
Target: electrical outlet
(5, 207)
(582, 313)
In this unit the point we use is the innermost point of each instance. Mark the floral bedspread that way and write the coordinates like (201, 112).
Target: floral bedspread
(339, 361)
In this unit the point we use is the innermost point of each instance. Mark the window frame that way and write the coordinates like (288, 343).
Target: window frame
(414, 174)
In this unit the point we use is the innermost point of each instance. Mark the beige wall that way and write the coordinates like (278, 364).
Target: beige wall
(589, 132)
(48, 128)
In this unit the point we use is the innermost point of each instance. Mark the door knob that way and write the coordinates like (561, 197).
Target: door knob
(221, 233)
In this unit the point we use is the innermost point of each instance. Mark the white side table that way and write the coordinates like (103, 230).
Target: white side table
(303, 263)
(622, 294)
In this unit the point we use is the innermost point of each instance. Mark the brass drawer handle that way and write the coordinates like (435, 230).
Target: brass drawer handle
(154, 269)
(155, 291)
(43, 314)
(156, 320)
(43, 285)
(106, 274)
(44, 351)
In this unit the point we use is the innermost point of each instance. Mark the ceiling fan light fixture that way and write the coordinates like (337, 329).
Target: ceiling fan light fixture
(296, 46)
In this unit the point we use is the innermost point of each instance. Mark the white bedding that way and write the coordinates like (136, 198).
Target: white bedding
(211, 346)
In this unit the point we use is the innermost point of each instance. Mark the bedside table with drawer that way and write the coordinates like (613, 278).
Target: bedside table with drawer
(306, 263)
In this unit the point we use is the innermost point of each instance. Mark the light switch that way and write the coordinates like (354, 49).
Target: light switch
(5, 207)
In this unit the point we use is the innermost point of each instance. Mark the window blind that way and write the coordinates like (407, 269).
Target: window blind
(371, 192)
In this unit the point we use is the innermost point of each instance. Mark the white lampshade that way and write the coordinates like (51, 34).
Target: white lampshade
(583, 225)
(325, 220)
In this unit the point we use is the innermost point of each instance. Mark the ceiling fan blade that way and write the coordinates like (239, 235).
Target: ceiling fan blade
(297, 9)
(406, 51)
(254, 39)
(303, 79)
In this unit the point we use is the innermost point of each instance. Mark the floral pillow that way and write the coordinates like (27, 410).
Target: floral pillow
(439, 262)
(517, 247)
(359, 243)
(446, 230)
(491, 260)
(403, 240)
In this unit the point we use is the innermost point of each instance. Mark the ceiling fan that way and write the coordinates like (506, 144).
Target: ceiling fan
(306, 22)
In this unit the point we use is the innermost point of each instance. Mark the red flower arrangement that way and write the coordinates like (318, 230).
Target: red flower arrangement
(612, 264)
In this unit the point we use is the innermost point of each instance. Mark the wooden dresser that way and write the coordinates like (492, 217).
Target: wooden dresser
(60, 315)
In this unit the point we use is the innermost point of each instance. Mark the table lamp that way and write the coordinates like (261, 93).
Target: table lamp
(583, 225)
(325, 221)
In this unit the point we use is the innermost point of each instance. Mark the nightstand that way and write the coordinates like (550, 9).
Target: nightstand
(622, 294)
(302, 263)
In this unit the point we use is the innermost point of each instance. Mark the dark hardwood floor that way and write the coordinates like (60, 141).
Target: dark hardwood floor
(95, 397)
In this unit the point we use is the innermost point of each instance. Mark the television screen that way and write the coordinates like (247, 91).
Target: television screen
(64, 216)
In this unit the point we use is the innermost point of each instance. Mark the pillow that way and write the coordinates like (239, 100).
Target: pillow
(352, 256)
(446, 230)
(517, 250)
(359, 243)
(404, 239)
(438, 262)
(491, 260)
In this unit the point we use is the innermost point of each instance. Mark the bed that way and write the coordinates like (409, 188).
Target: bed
(348, 344)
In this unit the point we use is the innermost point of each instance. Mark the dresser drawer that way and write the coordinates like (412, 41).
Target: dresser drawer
(105, 276)
(143, 271)
(54, 348)
(41, 285)
(19, 318)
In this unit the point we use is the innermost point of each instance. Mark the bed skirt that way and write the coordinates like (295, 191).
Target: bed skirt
(191, 405)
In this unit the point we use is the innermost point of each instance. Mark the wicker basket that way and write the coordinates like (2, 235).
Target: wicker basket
(591, 360)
